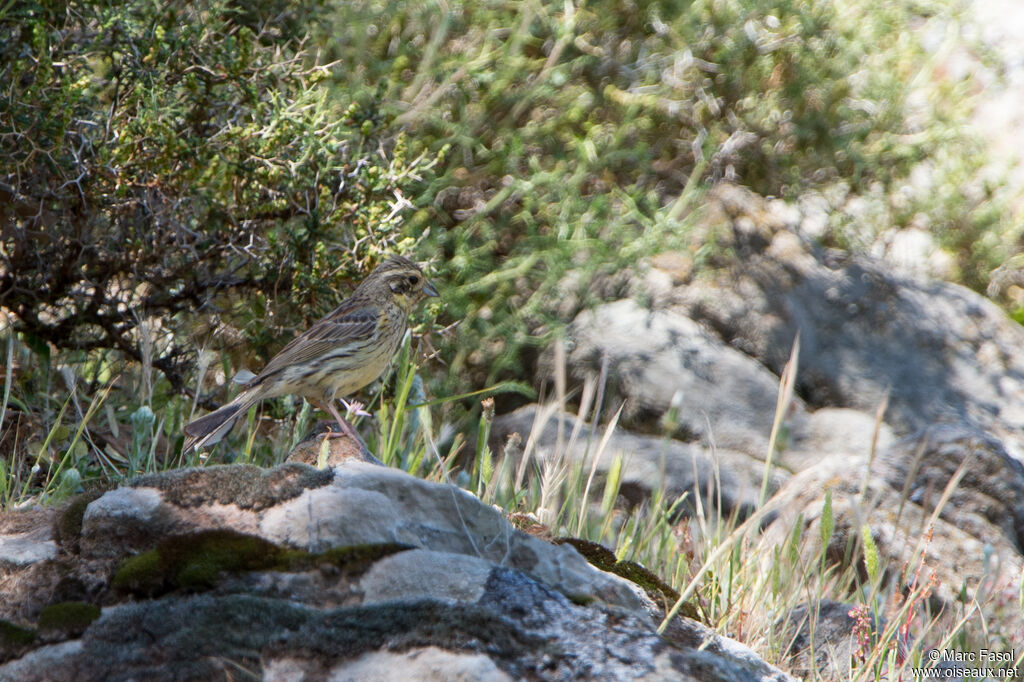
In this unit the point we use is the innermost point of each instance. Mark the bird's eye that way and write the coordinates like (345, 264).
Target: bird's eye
(414, 280)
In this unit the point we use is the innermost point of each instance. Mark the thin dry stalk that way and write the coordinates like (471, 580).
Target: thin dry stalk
(787, 385)
(601, 446)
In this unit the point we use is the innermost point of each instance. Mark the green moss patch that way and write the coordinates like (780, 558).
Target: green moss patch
(247, 486)
(356, 559)
(195, 562)
(597, 555)
(580, 599)
(603, 558)
(14, 636)
(15, 640)
(68, 525)
(70, 617)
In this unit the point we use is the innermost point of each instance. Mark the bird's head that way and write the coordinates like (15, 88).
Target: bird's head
(405, 280)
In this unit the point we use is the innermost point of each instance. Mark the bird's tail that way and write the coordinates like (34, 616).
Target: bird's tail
(210, 428)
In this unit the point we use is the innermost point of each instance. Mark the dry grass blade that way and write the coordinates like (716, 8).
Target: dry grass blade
(560, 393)
(8, 378)
(720, 551)
(530, 448)
(787, 384)
(552, 476)
(879, 415)
(601, 446)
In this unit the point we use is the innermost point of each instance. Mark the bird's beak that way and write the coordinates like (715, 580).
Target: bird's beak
(429, 290)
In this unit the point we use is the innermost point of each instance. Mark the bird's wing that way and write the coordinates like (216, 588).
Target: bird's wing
(346, 324)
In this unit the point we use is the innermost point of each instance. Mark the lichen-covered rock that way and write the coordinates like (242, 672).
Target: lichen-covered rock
(357, 572)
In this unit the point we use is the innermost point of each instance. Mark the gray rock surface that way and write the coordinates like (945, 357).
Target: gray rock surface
(25, 538)
(990, 497)
(822, 641)
(833, 431)
(939, 350)
(660, 359)
(23, 550)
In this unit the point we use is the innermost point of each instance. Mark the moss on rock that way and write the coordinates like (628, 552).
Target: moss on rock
(68, 525)
(15, 640)
(12, 636)
(247, 486)
(140, 574)
(603, 558)
(358, 558)
(195, 561)
(70, 617)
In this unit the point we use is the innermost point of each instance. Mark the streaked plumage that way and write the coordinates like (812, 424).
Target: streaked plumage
(343, 352)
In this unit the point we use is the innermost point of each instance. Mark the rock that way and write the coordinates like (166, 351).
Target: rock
(658, 359)
(430, 664)
(27, 548)
(356, 572)
(939, 351)
(26, 538)
(833, 431)
(517, 628)
(704, 651)
(339, 447)
(990, 497)
(311, 510)
(826, 632)
(954, 552)
(22, 550)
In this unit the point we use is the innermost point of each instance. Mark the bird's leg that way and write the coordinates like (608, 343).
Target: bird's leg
(346, 428)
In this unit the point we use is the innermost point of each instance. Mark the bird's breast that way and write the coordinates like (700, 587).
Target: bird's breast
(349, 367)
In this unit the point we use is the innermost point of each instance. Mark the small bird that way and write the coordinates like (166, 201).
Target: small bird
(341, 353)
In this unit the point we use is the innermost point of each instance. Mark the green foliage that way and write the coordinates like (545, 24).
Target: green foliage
(215, 176)
(871, 560)
(172, 178)
(161, 160)
(579, 135)
(828, 522)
